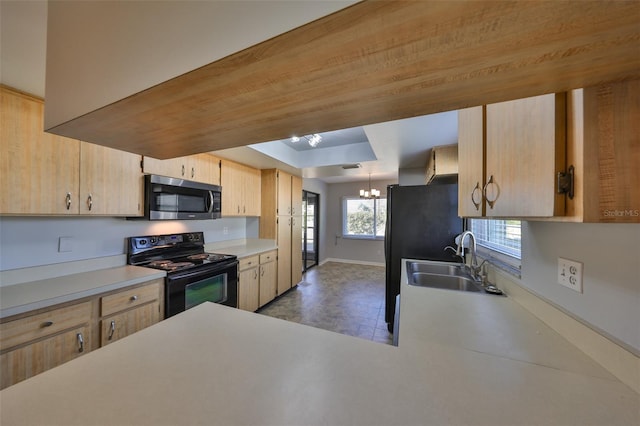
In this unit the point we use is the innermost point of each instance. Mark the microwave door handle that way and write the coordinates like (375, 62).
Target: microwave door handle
(210, 209)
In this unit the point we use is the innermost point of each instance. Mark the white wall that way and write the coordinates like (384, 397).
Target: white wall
(347, 248)
(610, 255)
(33, 241)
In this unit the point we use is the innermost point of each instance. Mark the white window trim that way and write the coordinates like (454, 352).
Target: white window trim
(343, 224)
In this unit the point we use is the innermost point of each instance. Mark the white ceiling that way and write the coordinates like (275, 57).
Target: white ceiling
(381, 149)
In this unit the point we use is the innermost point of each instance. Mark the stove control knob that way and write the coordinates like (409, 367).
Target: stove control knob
(143, 242)
(152, 240)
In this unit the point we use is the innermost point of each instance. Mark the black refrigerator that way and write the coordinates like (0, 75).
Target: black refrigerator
(421, 222)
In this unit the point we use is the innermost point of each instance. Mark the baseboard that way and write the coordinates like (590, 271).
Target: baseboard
(357, 262)
(618, 360)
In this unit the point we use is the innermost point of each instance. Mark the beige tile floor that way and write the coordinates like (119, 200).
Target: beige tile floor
(341, 297)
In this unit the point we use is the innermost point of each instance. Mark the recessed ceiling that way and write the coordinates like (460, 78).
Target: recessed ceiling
(329, 139)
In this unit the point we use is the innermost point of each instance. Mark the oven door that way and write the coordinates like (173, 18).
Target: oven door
(218, 284)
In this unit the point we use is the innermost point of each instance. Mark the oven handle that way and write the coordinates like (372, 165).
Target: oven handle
(221, 267)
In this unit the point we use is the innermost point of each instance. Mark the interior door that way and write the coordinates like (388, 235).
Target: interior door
(310, 229)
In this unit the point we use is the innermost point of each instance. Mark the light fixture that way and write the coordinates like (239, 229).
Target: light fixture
(313, 140)
(371, 193)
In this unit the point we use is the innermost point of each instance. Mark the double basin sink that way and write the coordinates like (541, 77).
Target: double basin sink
(443, 275)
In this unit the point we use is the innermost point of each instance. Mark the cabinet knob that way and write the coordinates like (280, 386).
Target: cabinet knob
(46, 324)
(134, 298)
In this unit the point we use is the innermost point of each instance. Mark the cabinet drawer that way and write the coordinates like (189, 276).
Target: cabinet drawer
(248, 262)
(26, 329)
(268, 256)
(129, 298)
(22, 363)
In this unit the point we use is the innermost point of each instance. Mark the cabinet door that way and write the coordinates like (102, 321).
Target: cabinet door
(268, 283)
(248, 289)
(296, 250)
(202, 168)
(251, 191)
(173, 167)
(111, 181)
(284, 254)
(39, 172)
(471, 161)
(296, 196)
(525, 150)
(284, 193)
(27, 361)
(231, 181)
(128, 322)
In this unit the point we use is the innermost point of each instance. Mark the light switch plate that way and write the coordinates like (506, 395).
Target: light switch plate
(65, 244)
(570, 274)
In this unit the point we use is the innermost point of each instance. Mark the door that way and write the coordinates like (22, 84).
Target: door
(310, 229)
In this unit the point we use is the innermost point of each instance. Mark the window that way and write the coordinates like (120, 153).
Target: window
(502, 236)
(363, 218)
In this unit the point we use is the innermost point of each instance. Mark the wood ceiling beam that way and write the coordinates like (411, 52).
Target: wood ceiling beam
(375, 61)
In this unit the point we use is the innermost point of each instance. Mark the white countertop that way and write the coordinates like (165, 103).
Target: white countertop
(242, 248)
(20, 298)
(463, 359)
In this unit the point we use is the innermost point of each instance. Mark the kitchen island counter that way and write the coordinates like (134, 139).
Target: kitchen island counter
(217, 365)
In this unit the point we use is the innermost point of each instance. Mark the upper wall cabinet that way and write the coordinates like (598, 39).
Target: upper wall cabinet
(604, 149)
(443, 161)
(510, 154)
(199, 168)
(240, 189)
(44, 174)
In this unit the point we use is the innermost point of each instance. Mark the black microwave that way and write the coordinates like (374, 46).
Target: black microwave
(168, 198)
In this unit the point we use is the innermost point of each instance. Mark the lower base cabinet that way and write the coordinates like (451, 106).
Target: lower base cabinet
(257, 280)
(32, 343)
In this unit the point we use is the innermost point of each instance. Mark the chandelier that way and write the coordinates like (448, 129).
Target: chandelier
(371, 193)
(313, 139)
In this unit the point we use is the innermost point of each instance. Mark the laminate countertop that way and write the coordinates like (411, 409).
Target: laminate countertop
(462, 359)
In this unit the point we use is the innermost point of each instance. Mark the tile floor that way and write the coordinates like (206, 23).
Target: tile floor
(341, 297)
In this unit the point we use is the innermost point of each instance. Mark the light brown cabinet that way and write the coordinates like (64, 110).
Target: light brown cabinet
(281, 219)
(268, 277)
(603, 146)
(510, 154)
(44, 174)
(443, 161)
(36, 343)
(198, 168)
(125, 312)
(240, 189)
(249, 283)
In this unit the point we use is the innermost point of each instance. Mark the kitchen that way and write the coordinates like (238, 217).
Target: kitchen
(608, 251)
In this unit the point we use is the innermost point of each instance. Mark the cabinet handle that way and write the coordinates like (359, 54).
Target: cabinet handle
(262, 271)
(112, 329)
(90, 202)
(244, 209)
(68, 200)
(473, 193)
(193, 172)
(288, 210)
(293, 222)
(238, 208)
(255, 274)
(183, 170)
(134, 298)
(289, 222)
(484, 192)
(80, 342)
(46, 324)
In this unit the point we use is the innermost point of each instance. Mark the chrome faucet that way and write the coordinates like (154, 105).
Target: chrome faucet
(473, 266)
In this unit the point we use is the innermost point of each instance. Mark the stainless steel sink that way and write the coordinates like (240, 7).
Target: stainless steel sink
(448, 282)
(438, 268)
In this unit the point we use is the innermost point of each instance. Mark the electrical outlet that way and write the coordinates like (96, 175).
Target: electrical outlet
(225, 231)
(65, 244)
(570, 274)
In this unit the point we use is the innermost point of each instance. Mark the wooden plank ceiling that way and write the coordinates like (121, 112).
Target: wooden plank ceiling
(373, 62)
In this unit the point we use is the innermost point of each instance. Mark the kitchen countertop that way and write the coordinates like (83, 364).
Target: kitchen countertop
(462, 359)
(20, 298)
(242, 248)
